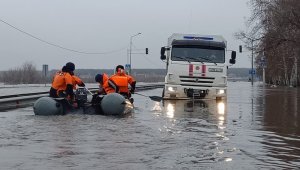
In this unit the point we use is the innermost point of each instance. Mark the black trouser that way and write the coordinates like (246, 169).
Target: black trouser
(53, 93)
(65, 103)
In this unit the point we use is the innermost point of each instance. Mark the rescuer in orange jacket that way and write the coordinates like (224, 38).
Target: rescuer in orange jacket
(121, 79)
(77, 81)
(106, 86)
(62, 84)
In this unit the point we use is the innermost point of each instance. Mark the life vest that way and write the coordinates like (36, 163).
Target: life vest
(61, 80)
(121, 81)
(130, 79)
(107, 88)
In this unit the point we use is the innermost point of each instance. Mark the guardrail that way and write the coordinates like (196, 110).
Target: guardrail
(9, 102)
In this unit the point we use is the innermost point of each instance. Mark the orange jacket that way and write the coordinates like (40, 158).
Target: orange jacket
(107, 84)
(121, 72)
(61, 80)
(122, 80)
(131, 80)
(76, 81)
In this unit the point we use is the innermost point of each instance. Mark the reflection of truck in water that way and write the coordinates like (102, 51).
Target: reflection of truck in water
(212, 111)
(196, 67)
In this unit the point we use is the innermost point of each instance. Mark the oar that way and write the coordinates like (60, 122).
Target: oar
(154, 98)
(88, 91)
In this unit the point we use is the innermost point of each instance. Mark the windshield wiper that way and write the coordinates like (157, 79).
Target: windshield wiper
(186, 59)
(207, 59)
(195, 59)
(183, 58)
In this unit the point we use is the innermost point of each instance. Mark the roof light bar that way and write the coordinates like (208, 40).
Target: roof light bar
(198, 38)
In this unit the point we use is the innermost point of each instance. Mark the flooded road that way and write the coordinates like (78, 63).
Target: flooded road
(255, 128)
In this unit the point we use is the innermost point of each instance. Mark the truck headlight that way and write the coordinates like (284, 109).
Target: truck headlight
(172, 89)
(220, 91)
(215, 70)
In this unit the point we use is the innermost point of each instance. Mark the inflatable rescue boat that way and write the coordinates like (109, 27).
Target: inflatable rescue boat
(111, 104)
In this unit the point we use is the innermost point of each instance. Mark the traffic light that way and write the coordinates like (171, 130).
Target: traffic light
(146, 50)
(241, 49)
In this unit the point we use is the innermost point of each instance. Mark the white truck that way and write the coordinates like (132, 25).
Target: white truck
(196, 67)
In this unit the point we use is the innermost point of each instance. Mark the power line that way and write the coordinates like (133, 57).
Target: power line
(59, 46)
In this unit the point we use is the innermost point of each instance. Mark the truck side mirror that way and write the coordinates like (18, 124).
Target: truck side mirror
(233, 57)
(232, 61)
(162, 53)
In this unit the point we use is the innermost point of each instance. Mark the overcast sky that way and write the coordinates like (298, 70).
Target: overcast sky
(97, 26)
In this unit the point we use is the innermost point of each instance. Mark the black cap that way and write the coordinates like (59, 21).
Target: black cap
(119, 66)
(70, 66)
(99, 78)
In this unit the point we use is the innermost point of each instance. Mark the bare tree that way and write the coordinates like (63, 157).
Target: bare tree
(275, 28)
(26, 74)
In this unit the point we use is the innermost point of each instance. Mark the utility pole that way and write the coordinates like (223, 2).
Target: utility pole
(130, 48)
(252, 71)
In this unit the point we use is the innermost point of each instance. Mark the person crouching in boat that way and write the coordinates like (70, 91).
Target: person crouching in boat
(122, 80)
(106, 86)
(62, 84)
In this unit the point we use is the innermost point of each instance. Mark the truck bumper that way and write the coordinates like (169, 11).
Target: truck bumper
(188, 92)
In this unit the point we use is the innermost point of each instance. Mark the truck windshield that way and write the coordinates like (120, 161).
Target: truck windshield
(198, 54)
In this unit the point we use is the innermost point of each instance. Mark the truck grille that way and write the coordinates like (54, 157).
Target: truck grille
(196, 81)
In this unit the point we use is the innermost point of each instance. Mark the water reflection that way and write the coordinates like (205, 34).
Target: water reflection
(198, 126)
(211, 110)
(278, 111)
(170, 110)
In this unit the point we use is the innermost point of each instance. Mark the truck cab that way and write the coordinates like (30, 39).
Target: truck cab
(196, 67)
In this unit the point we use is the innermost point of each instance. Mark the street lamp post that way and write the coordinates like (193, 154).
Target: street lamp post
(130, 50)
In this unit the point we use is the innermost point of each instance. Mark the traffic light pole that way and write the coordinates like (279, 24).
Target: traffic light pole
(252, 63)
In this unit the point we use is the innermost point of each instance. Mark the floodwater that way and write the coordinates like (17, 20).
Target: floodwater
(255, 128)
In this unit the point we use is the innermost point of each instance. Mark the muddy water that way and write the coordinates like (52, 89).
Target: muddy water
(255, 128)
